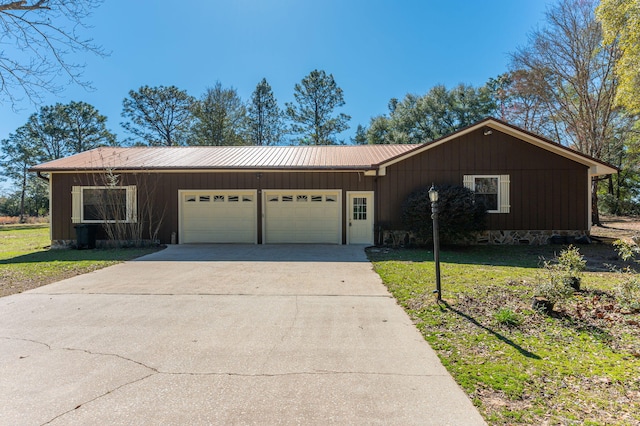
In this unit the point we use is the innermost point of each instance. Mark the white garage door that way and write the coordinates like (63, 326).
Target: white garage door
(303, 217)
(218, 217)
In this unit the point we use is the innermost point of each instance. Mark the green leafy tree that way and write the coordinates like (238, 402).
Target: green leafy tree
(158, 116)
(566, 62)
(19, 153)
(45, 35)
(220, 118)
(264, 116)
(60, 130)
(45, 129)
(84, 128)
(361, 135)
(312, 116)
(621, 26)
(419, 119)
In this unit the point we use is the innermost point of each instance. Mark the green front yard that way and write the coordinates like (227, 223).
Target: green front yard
(26, 262)
(579, 365)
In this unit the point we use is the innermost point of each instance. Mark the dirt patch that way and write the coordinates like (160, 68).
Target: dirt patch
(616, 227)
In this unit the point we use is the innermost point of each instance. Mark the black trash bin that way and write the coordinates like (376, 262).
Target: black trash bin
(85, 236)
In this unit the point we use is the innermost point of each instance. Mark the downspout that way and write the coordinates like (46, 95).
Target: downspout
(43, 177)
(377, 237)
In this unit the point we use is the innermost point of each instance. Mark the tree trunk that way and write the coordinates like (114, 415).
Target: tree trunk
(595, 215)
(22, 194)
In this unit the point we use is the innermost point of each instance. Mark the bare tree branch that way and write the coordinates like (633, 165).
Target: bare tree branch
(37, 38)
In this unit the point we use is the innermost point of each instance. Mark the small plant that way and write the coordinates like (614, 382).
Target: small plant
(506, 316)
(573, 264)
(626, 251)
(552, 287)
(559, 280)
(628, 291)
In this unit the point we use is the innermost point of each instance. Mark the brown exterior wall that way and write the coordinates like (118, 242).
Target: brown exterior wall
(547, 191)
(171, 183)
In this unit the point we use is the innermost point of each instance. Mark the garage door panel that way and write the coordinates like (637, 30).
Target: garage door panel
(303, 217)
(219, 217)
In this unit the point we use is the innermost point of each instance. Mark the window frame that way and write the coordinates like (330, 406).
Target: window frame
(78, 204)
(503, 206)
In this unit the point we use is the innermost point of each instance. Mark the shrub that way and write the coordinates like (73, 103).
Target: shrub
(553, 284)
(459, 218)
(561, 277)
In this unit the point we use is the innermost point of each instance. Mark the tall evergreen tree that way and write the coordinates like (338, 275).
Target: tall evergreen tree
(220, 118)
(264, 116)
(419, 119)
(158, 116)
(84, 127)
(312, 118)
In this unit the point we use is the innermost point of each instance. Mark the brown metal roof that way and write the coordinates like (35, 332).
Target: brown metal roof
(348, 157)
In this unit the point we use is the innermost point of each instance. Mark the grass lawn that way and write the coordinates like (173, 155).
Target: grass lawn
(579, 365)
(26, 262)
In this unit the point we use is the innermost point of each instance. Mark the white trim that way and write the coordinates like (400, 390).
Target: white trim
(589, 206)
(266, 192)
(181, 192)
(504, 188)
(370, 212)
(77, 204)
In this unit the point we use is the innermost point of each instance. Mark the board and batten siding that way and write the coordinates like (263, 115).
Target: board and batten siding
(547, 191)
(169, 183)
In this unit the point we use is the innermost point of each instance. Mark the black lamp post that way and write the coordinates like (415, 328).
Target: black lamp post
(433, 197)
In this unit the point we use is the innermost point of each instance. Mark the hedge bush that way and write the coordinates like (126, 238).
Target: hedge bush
(459, 218)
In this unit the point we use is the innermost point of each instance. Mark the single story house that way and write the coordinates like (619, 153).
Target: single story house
(323, 194)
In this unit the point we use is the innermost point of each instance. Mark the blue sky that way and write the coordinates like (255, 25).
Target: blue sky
(375, 49)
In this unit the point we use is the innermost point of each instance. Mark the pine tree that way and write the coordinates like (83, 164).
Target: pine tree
(264, 116)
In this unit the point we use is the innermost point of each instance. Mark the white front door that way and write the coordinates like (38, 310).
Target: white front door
(360, 217)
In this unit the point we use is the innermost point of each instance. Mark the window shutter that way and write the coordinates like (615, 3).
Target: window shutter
(504, 194)
(76, 204)
(132, 211)
(468, 182)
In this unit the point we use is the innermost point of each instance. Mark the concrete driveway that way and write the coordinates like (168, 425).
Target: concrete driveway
(222, 334)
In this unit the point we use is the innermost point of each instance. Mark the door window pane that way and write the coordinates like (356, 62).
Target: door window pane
(359, 208)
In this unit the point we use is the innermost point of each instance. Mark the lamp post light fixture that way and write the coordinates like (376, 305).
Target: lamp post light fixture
(433, 197)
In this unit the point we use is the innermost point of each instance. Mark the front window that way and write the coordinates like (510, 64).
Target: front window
(490, 190)
(100, 204)
(104, 204)
(486, 189)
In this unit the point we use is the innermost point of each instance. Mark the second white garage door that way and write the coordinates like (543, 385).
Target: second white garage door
(303, 217)
(218, 216)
